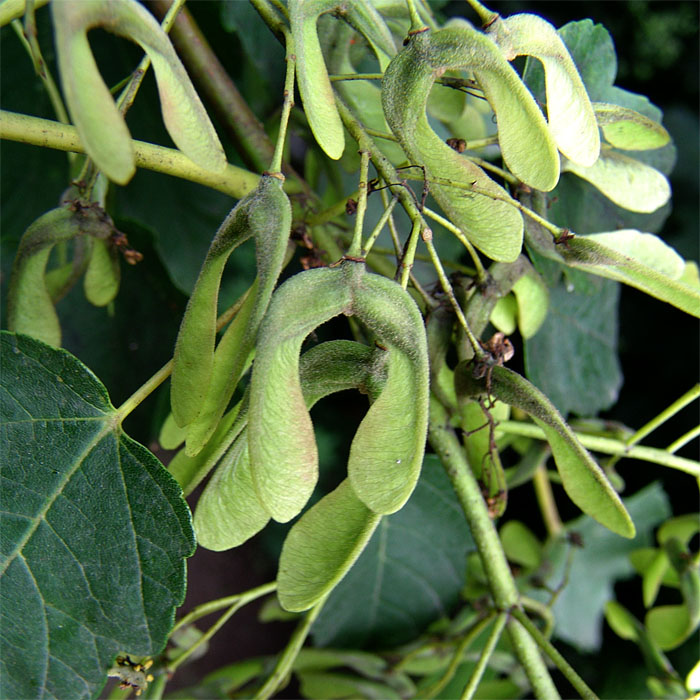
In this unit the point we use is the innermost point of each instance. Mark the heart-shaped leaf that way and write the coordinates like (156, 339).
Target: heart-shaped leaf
(95, 531)
(594, 568)
(582, 323)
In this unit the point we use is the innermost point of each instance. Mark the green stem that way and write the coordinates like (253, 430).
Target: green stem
(355, 249)
(500, 578)
(213, 606)
(464, 269)
(683, 439)
(126, 99)
(337, 209)
(545, 499)
(389, 175)
(12, 9)
(173, 665)
(608, 446)
(446, 223)
(287, 104)
(144, 391)
(539, 608)
(429, 301)
(654, 423)
(384, 167)
(151, 384)
(381, 135)
(28, 37)
(286, 661)
(457, 657)
(485, 15)
(559, 661)
(379, 227)
(482, 143)
(486, 165)
(234, 181)
(406, 264)
(215, 85)
(485, 656)
(271, 17)
(355, 76)
(417, 23)
(447, 287)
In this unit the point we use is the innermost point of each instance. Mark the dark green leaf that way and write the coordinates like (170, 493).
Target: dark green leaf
(186, 217)
(602, 561)
(410, 573)
(252, 32)
(573, 357)
(95, 531)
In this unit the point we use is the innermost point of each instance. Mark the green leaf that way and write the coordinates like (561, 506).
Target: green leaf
(325, 686)
(668, 625)
(410, 573)
(683, 527)
(314, 659)
(570, 114)
(596, 567)
(322, 546)
(95, 531)
(621, 620)
(532, 299)
(100, 125)
(581, 325)
(629, 130)
(582, 478)
(626, 181)
(653, 577)
(520, 544)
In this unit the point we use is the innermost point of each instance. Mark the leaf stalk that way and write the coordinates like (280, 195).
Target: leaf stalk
(484, 657)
